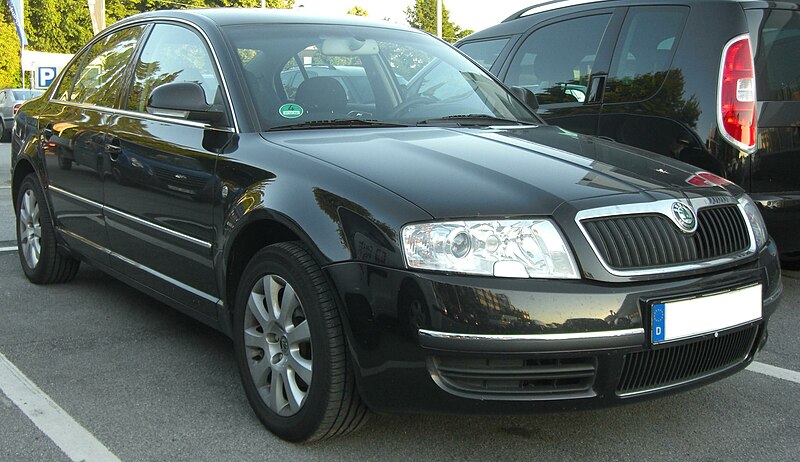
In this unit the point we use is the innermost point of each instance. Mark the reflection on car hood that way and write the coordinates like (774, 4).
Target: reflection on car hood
(499, 171)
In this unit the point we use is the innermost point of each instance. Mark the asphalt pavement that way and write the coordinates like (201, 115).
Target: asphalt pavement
(151, 384)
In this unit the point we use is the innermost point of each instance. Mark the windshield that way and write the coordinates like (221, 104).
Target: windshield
(306, 76)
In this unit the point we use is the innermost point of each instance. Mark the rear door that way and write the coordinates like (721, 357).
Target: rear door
(645, 104)
(73, 127)
(775, 167)
(564, 62)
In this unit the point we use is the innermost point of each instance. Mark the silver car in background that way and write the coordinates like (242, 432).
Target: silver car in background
(10, 101)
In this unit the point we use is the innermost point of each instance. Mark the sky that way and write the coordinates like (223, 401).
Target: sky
(468, 14)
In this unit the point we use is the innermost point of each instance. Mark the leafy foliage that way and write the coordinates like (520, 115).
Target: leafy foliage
(358, 11)
(422, 15)
(9, 56)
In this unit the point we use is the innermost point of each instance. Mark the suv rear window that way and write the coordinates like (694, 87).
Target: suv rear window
(778, 55)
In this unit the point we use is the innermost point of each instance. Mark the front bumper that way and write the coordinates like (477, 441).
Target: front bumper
(426, 342)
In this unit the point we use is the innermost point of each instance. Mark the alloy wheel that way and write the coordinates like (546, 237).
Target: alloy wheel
(30, 229)
(278, 345)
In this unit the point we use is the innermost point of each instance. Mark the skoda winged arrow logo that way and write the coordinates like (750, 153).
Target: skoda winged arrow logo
(684, 216)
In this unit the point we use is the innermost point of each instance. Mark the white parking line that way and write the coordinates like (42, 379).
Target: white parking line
(8, 249)
(772, 371)
(76, 442)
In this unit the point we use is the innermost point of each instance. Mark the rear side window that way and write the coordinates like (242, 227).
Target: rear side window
(555, 62)
(484, 52)
(644, 52)
(102, 73)
(778, 56)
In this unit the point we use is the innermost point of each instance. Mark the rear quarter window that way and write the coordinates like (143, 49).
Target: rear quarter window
(777, 55)
(644, 52)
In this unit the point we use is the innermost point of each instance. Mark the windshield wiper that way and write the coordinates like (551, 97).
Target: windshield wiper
(337, 123)
(465, 120)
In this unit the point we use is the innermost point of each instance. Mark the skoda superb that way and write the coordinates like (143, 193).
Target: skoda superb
(405, 236)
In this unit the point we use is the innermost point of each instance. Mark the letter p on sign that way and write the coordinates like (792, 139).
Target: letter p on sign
(44, 76)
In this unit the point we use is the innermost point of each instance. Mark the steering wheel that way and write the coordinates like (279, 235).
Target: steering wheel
(403, 107)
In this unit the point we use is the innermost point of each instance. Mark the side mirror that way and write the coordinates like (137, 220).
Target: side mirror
(526, 96)
(185, 100)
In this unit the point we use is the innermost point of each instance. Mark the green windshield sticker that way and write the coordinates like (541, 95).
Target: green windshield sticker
(290, 111)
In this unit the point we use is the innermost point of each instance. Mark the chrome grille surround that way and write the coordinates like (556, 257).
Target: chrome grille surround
(663, 208)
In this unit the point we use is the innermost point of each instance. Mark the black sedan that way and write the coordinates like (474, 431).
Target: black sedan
(437, 249)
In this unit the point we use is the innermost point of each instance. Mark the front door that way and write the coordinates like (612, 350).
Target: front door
(160, 193)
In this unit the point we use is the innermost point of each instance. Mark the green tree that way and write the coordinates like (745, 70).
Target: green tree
(57, 26)
(422, 15)
(9, 55)
(64, 26)
(358, 11)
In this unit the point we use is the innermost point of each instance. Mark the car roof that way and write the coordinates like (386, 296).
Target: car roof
(557, 4)
(237, 16)
(517, 23)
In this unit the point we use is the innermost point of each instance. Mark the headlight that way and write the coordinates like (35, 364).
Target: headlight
(503, 248)
(754, 218)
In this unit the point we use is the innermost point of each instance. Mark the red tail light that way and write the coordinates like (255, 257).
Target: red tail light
(16, 107)
(736, 114)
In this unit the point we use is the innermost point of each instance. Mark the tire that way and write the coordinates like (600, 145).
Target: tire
(41, 260)
(790, 262)
(293, 363)
(64, 163)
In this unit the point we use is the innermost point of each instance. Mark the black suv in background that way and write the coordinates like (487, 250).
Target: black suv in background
(676, 78)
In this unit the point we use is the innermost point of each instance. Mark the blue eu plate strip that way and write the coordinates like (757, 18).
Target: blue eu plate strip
(658, 323)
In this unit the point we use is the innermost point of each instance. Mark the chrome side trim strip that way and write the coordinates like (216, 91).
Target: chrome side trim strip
(533, 337)
(76, 197)
(140, 266)
(145, 115)
(663, 207)
(138, 220)
(164, 230)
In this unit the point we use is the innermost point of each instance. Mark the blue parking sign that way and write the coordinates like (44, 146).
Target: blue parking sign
(44, 76)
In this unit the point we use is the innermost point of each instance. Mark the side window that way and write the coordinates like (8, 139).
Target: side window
(778, 56)
(172, 54)
(644, 52)
(65, 86)
(100, 76)
(484, 52)
(2, 97)
(555, 62)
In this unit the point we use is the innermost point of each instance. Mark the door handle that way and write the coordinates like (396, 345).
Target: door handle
(113, 152)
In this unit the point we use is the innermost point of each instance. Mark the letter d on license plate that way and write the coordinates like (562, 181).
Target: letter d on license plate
(676, 320)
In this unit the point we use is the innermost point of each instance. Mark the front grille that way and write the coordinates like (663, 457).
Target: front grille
(653, 240)
(522, 378)
(663, 367)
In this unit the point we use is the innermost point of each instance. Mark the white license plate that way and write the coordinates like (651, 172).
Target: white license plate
(703, 315)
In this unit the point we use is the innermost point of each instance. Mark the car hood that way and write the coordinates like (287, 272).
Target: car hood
(495, 171)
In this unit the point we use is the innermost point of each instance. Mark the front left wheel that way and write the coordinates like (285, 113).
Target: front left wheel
(39, 255)
(290, 348)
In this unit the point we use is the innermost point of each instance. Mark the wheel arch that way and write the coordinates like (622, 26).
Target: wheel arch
(22, 169)
(259, 229)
